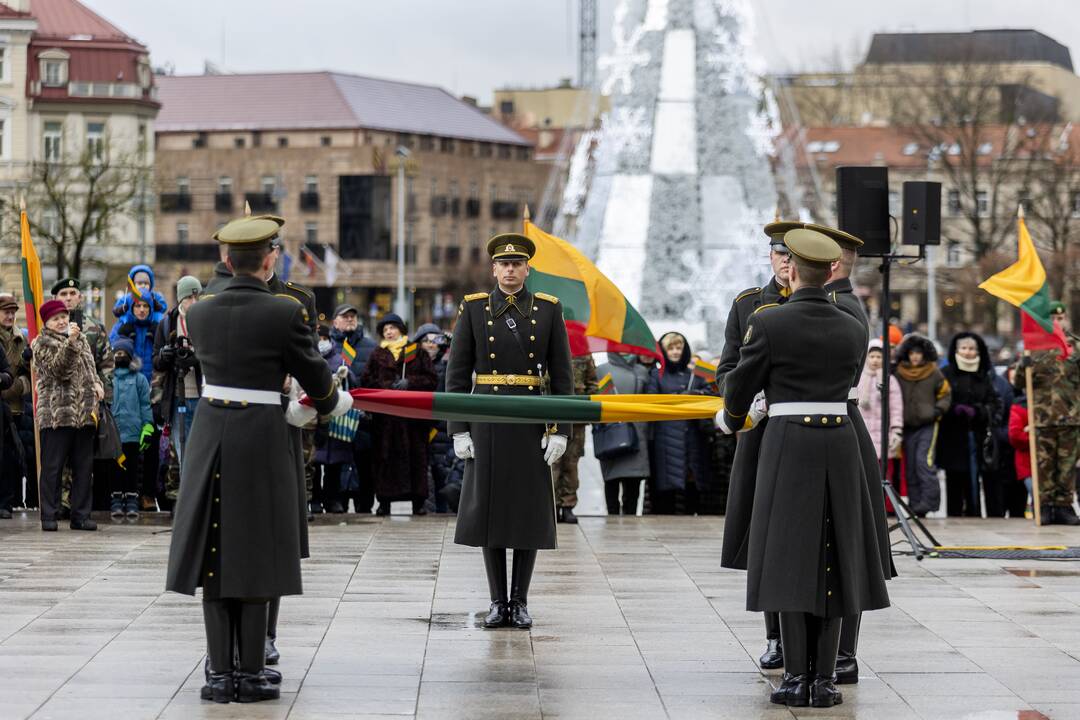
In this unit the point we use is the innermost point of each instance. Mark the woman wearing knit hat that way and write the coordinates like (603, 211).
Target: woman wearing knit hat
(68, 392)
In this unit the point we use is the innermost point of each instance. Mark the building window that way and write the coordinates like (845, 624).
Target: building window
(53, 74)
(3, 141)
(954, 203)
(505, 152)
(952, 254)
(238, 143)
(1024, 200)
(183, 185)
(141, 142)
(181, 233)
(4, 64)
(894, 203)
(95, 140)
(446, 145)
(325, 141)
(311, 233)
(223, 199)
(311, 183)
(224, 185)
(982, 203)
(53, 136)
(1076, 204)
(50, 222)
(427, 143)
(506, 107)
(269, 185)
(283, 142)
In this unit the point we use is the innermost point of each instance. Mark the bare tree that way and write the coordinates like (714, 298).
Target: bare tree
(80, 200)
(1053, 209)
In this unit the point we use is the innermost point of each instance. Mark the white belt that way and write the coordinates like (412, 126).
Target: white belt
(241, 395)
(853, 394)
(808, 408)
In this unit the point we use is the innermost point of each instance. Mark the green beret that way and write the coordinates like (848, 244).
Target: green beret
(812, 245)
(65, 283)
(843, 239)
(250, 230)
(1057, 307)
(775, 230)
(509, 246)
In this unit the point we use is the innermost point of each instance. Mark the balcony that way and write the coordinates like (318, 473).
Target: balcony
(223, 202)
(472, 208)
(175, 202)
(180, 252)
(309, 201)
(261, 202)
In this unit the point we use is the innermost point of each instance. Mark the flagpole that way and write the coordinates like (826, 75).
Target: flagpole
(525, 219)
(1032, 445)
(33, 368)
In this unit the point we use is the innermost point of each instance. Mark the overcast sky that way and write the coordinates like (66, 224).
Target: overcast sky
(471, 47)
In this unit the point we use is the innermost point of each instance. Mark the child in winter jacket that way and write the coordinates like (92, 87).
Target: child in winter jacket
(142, 277)
(134, 420)
(926, 398)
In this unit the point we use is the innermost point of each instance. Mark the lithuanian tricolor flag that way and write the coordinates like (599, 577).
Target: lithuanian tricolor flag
(606, 386)
(348, 352)
(539, 409)
(409, 353)
(33, 294)
(1024, 285)
(598, 317)
(705, 371)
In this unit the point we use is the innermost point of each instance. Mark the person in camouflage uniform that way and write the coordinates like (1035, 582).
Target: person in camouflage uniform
(1054, 413)
(69, 291)
(566, 470)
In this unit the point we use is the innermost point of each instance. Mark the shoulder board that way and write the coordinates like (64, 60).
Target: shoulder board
(299, 289)
(766, 305)
(747, 293)
(291, 297)
(205, 297)
(475, 296)
(832, 295)
(549, 298)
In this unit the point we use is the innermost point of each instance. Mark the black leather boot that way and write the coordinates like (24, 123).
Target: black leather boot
(823, 647)
(794, 689)
(847, 667)
(218, 618)
(495, 567)
(524, 562)
(252, 684)
(273, 657)
(773, 657)
(566, 515)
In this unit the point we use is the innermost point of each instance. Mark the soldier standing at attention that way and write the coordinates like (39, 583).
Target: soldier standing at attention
(744, 465)
(566, 470)
(236, 531)
(812, 551)
(843, 294)
(516, 343)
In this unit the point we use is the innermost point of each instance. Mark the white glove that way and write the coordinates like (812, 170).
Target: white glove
(344, 404)
(553, 446)
(299, 415)
(759, 409)
(463, 446)
(722, 425)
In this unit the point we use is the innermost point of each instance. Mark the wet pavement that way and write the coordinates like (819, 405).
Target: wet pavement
(634, 619)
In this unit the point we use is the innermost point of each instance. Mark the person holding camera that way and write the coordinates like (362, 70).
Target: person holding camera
(178, 377)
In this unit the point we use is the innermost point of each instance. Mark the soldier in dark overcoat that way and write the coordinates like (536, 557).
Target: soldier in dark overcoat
(516, 344)
(236, 530)
(812, 553)
(843, 294)
(744, 465)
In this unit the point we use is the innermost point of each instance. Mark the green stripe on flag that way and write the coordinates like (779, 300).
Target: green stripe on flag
(572, 294)
(501, 409)
(1038, 307)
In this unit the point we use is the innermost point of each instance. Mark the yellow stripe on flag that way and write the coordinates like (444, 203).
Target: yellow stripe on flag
(1020, 281)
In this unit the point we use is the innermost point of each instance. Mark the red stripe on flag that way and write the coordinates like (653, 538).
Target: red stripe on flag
(1036, 338)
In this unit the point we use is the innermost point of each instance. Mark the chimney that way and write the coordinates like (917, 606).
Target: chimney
(468, 100)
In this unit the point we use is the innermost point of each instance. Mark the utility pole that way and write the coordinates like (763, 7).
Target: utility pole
(587, 45)
(400, 306)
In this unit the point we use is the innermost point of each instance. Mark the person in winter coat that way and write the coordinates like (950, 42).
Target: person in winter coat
(400, 462)
(135, 422)
(926, 398)
(974, 408)
(333, 455)
(625, 473)
(142, 277)
(870, 401)
(1003, 491)
(435, 343)
(68, 391)
(677, 449)
(1019, 430)
(346, 330)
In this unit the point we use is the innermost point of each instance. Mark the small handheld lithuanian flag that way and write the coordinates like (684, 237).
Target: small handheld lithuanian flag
(705, 371)
(605, 386)
(348, 352)
(409, 353)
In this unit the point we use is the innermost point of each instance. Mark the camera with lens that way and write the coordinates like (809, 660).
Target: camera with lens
(185, 354)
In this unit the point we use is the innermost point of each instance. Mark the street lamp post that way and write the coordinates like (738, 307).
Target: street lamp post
(400, 306)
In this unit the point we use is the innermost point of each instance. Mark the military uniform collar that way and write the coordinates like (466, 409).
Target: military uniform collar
(843, 285)
(775, 292)
(222, 270)
(246, 282)
(809, 293)
(500, 302)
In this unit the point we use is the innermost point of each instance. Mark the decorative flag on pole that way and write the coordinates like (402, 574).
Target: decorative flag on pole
(598, 317)
(348, 352)
(330, 265)
(309, 261)
(286, 265)
(409, 353)
(606, 386)
(705, 371)
(31, 277)
(1024, 285)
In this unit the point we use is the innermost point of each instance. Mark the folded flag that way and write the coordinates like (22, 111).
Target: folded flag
(598, 317)
(1024, 285)
(606, 386)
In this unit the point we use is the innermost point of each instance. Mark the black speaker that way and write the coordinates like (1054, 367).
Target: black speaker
(922, 213)
(862, 206)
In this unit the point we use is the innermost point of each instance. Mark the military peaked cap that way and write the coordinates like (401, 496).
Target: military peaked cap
(63, 283)
(812, 245)
(250, 230)
(511, 246)
(775, 230)
(843, 239)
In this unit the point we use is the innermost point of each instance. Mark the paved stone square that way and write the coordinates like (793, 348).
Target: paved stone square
(634, 619)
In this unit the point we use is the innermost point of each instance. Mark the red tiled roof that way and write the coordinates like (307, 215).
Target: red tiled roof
(8, 12)
(67, 18)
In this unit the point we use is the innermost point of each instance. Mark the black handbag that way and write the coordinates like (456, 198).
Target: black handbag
(107, 444)
(613, 440)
